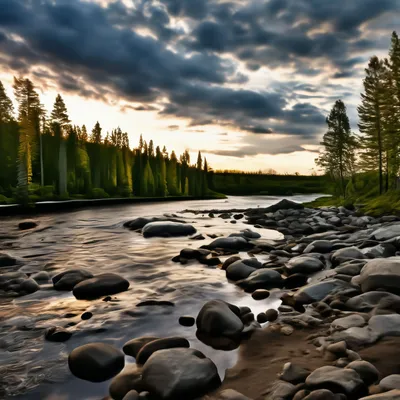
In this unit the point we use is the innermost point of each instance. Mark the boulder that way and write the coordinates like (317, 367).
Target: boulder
(167, 229)
(314, 292)
(381, 274)
(132, 347)
(386, 232)
(383, 250)
(57, 334)
(284, 205)
(339, 380)
(385, 325)
(345, 254)
(96, 362)
(180, 374)
(367, 301)
(304, 265)
(368, 373)
(100, 285)
(319, 246)
(231, 243)
(239, 270)
(130, 379)
(140, 222)
(261, 279)
(218, 318)
(160, 344)
(68, 279)
(350, 321)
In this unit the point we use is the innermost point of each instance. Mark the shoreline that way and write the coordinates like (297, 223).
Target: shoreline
(44, 207)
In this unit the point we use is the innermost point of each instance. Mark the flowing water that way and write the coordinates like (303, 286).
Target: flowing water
(94, 239)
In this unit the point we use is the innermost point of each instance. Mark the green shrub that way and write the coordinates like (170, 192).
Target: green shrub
(98, 193)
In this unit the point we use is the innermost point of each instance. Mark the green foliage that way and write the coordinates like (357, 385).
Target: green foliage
(98, 193)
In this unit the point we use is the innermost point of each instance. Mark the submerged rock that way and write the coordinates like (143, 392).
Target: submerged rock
(180, 374)
(239, 270)
(96, 362)
(132, 347)
(67, 280)
(167, 229)
(6, 260)
(100, 285)
(262, 279)
(231, 243)
(57, 334)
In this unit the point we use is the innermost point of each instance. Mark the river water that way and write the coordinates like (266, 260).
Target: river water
(94, 239)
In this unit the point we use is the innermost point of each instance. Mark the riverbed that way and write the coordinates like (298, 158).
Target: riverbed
(94, 239)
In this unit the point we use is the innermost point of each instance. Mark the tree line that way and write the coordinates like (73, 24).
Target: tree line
(377, 149)
(49, 156)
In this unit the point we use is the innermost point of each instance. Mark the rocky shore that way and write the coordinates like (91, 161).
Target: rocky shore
(335, 334)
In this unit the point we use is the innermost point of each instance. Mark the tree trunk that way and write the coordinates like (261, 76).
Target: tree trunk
(41, 160)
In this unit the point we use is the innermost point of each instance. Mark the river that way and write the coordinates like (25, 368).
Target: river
(94, 239)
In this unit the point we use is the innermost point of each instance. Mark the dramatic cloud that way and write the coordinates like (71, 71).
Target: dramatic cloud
(260, 67)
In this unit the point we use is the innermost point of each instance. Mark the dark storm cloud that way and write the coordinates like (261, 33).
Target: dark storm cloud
(141, 55)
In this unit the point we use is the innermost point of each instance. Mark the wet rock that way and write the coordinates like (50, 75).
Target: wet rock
(230, 394)
(350, 269)
(392, 395)
(350, 321)
(381, 274)
(239, 270)
(27, 224)
(386, 232)
(262, 318)
(272, 315)
(67, 280)
(141, 222)
(130, 379)
(348, 253)
(6, 260)
(339, 349)
(86, 315)
(295, 281)
(218, 318)
(282, 390)
(367, 301)
(180, 374)
(260, 294)
(304, 265)
(131, 395)
(238, 216)
(368, 373)
(322, 394)
(152, 303)
(231, 243)
(356, 337)
(340, 380)
(318, 291)
(230, 261)
(225, 215)
(57, 334)
(284, 205)
(381, 250)
(160, 344)
(319, 246)
(197, 237)
(96, 362)
(390, 382)
(187, 321)
(293, 373)
(194, 254)
(41, 277)
(29, 286)
(167, 229)
(132, 347)
(261, 279)
(100, 285)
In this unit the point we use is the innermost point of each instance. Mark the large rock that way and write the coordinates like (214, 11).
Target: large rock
(167, 229)
(68, 279)
(180, 374)
(319, 246)
(231, 243)
(218, 318)
(129, 379)
(132, 347)
(284, 205)
(348, 253)
(350, 321)
(339, 380)
(318, 291)
(391, 382)
(96, 362)
(6, 260)
(100, 285)
(381, 274)
(262, 279)
(304, 265)
(383, 250)
(385, 325)
(386, 232)
(140, 222)
(368, 373)
(367, 301)
(239, 270)
(160, 344)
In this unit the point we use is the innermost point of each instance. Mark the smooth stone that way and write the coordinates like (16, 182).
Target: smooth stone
(132, 347)
(384, 250)
(261, 279)
(321, 394)
(6, 260)
(96, 362)
(262, 318)
(167, 229)
(100, 285)
(294, 281)
(367, 301)
(339, 349)
(86, 315)
(68, 279)
(160, 344)
(230, 394)
(29, 286)
(260, 294)
(27, 224)
(229, 262)
(304, 265)
(238, 271)
(314, 292)
(356, 337)
(272, 315)
(187, 321)
(345, 254)
(140, 222)
(218, 318)
(57, 334)
(391, 382)
(282, 390)
(284, 205)
(41, 277)
(385, 325)
(231, 243)
(386, 232)
(180, 374)
(319, 246)
(381, 274)
(293, 373)
(131, 395)
(287, 330)
(392, 395)
(368, 373)
(340, 380)
(194, 254)
(350, 321)
(130, 379)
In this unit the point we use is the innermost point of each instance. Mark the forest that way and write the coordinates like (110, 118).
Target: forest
(48, 158)
(365, 167)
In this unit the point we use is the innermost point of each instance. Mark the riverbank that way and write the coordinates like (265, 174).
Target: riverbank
(275, 302)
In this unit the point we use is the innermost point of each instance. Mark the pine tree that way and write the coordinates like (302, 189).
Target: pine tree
(96, 134)
(6, 107)
(370, 116)
(84, 135)
(59, 114)
(172, 175)
(337, 157)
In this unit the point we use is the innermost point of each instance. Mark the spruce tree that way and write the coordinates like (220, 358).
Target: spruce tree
(96, 134)
(337, 157)
(6, 106)
(370, 116)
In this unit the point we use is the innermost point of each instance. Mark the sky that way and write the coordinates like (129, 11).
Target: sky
(247, 82)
